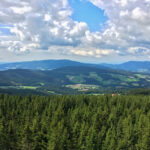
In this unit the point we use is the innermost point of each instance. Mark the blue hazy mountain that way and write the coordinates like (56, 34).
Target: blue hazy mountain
(45, 65)
(134, 66)
(40, 65)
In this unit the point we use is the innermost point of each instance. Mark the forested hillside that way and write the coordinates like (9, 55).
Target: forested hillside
(45, 64)
(70, 80)
(134, 66)
(74, 122)
(40, 65)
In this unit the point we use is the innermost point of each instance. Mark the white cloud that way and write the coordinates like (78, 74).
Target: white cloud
(47, 25)
(123, 3)
(47, 17)
(138, 14)
(21, 10)
(128, 24)
(139, 50)
(44, 22)
(92, 52)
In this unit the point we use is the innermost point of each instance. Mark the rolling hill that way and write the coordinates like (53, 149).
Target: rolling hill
(135, 66)
(46, 65)
(77, 78)
(40, 65)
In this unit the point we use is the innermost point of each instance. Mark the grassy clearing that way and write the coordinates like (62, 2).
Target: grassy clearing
(125, 78)
(83, 87)
(42, 84)
(19, 87)
(96, 76)
(143, 76)
(28, 87)
(51, 92)
(76, 79)
(135, 84)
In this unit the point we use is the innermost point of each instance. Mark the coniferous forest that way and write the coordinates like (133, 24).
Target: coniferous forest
(78, 122)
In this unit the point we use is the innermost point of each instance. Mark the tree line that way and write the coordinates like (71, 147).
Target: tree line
(78, 122)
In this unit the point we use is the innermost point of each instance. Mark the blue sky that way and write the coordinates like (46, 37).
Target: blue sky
(84, 30)
(85, 11)
(4, 29)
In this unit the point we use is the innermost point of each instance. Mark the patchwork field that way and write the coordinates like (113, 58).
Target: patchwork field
(72, 80)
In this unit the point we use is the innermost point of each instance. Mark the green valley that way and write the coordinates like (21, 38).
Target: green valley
(75, 79)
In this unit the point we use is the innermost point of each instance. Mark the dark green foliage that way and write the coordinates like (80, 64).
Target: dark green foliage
(74, 122)
(62, 80)
(140, 92)
(13, 91)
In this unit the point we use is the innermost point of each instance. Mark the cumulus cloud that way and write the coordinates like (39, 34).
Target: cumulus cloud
(128, 26)
(93, 52)
(139, 50)
(47, 25)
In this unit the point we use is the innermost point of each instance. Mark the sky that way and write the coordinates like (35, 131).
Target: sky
(111, 31)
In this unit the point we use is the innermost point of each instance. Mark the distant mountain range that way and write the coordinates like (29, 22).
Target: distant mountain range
(134, 66)
(66, 76)
(39, 65)
(73, 79)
